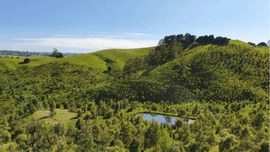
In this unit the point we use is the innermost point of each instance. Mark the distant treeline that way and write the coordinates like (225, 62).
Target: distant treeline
(26, 53)
(187, 39)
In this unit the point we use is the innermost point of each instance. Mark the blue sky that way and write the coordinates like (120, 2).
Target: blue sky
(90, 25)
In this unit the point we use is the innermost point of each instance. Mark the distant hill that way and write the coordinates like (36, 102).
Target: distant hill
(95, 60)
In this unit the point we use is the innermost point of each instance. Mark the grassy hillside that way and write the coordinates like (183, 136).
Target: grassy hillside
(95, 60)
(220, 70)
(71, 104)
(120, 56)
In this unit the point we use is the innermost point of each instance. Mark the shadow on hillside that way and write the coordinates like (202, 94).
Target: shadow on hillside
(45, 117)
(22, 63)
(146, 73)
(194, 46)
(26, 115)
(74, 118)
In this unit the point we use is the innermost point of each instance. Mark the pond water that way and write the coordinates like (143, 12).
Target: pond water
(163, 118)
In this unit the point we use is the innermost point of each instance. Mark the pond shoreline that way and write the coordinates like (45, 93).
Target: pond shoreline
(163, 119)
(165, 114)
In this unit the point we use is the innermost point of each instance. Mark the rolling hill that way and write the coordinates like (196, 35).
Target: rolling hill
(95, 60)
(75, 104)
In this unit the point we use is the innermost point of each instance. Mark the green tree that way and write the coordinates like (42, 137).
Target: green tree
(85, 138)
(57, 54)
(6, 136)
(66, 105)
(135, 145)
(211, 139)
(179, 122)
(52, 109)
(96, 132)
(31, 108)
(165, 141)
(26, 60)
(59, 129)
(21, 140)
(79, 124)
(152, 135)
(258, 120)
(244, 133)
(264, 147)
(227, 144)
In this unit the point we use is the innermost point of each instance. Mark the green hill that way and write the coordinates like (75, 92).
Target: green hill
(75, 104)
(95, 60)
(234, 72)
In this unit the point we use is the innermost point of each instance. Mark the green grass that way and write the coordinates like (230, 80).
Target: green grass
(215, 149)
(120, 56)
(62, 116)
(13, 63)
(94, 60)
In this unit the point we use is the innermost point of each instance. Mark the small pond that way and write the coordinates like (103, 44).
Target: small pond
(163, 118)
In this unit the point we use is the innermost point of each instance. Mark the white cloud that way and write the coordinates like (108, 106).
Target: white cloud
(86, 43)
(64, 35)
(89, 43)
(136, 34)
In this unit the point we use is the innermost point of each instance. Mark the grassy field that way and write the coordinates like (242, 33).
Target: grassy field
(120, 56)
(62, 116)
(94, 60)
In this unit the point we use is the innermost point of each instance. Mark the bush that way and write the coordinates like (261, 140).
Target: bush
(31, 108)
(227, 144)
(250, 43)
(264, 146)
(66, 105)
(221, 40)
(58, 105)
(182, 112)
(6, 136)
(262, 44)
(258, 120)
(179, 122)
(205, 39)
(59, 129)
(27, 60)
(154, 107)
(59, 55)
(79, 113)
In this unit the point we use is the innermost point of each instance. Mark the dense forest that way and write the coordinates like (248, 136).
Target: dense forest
(222, 84)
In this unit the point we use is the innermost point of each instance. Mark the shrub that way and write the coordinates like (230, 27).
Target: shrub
(27, 60)
(227, 144)
(79, 113)
(6, 136)
(221, 41)
(154, 107)
(250, 43)
(58, 105)
(179, 122)
(258, 120)
(66, 105)
(264, 146)
(182, 112)
(262, 44)
(59, 55)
